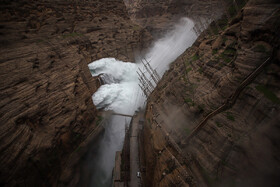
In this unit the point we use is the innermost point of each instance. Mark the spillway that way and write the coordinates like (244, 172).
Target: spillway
(122, 94)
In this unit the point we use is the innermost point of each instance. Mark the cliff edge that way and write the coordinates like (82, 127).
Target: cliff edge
(213, 119)
(46, 108)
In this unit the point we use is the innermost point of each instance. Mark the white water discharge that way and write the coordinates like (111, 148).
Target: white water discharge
(167, 49)
(122, 94)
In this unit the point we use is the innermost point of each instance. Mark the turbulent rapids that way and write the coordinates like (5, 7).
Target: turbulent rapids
(122, 94)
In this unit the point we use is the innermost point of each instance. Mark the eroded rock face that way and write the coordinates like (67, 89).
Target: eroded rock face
(238, 145)
(46, 107)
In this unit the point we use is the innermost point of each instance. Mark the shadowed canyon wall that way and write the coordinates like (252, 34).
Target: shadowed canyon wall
(46, 108)
(230, 77)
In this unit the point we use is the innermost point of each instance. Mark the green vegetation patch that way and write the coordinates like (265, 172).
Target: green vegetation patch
(99, 120)
(188, 70)
(224, 27)
(164, 86)
(218, 124)
(223, 22)
(189, 101)
(226, 58)
(230, 116)
(268, 94)
(195, 57)
(260, 48)
(214, 51)
(187, 63)
(229, 51)
(191, 88)
(78, 149)
(136, 27)
(201, 107)
(224, 39)
(215, 30)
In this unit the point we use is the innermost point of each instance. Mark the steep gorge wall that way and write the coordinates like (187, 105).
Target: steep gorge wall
(238, 146)
(46, 108)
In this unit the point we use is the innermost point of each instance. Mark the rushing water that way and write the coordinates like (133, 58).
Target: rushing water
(122, 94)
(101, 156)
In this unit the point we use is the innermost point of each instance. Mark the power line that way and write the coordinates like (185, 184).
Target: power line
(146, 84)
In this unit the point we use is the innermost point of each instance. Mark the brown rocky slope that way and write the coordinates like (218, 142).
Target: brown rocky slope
(45, 107)
(231, 79)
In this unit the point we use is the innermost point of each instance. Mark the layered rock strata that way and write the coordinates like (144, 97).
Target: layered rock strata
(237, 145)
(46, 108)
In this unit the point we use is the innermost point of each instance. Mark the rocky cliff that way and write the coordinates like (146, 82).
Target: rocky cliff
(213, 119)
(45, 107)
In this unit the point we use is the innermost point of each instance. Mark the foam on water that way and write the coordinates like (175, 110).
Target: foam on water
(119, 96)
(121, 71)
(123, 95)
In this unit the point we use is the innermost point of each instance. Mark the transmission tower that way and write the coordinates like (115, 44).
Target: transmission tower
(146, 84)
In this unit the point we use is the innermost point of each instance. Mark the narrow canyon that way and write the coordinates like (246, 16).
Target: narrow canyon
(140, 93)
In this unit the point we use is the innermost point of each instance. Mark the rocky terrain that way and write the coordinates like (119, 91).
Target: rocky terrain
(46, 110)
(213, 119)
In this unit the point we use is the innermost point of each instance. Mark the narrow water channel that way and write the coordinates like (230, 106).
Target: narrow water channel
(100, 158)
(122, 94)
